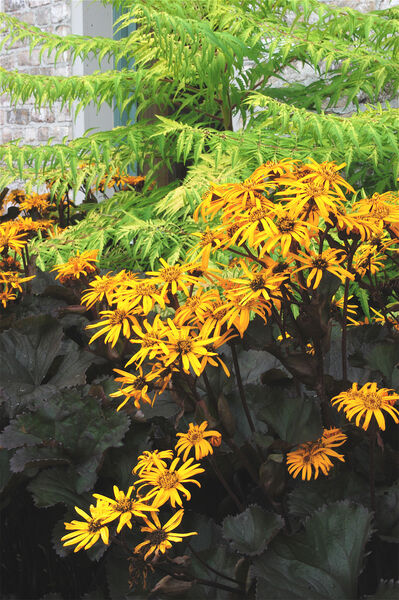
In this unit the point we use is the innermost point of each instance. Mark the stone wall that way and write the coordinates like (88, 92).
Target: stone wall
(35, 126)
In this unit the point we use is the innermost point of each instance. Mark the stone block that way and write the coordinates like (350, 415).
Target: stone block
(63, 30)
(44, 134)
(37, 3)
(11, 133)
(12, 5)
(60, 11)
(18, 116)
(27, 17)
(43, 115)
(27, 59)
(31, 135)
(41, 15)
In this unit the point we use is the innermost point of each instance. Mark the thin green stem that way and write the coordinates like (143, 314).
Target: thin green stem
(241, 388)
(226, 486)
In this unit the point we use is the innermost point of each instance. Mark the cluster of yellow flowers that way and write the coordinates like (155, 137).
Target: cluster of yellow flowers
(161, 480)
(123, 181)
(14, 238)
(366, 405)
(283, 230)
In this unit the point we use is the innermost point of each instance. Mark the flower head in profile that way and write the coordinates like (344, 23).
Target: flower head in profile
(368, 404)
(308, 459)
(160, 537)
(311, 457)
(13, 280)
(101, 287)
(78, 265)
(7, 296)
(11, 238)
(123, 507)
(86, 533)
(148, 460)
(195, 439)
(134, 387)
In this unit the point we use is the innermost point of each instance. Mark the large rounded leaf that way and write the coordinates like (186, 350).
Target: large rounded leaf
(252, 530)
(322, 563)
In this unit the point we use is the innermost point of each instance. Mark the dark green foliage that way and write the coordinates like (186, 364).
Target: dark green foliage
(322, 562)
(251, 531)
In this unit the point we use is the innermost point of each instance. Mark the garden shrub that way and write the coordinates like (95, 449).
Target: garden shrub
(273, 353)
(200, 67)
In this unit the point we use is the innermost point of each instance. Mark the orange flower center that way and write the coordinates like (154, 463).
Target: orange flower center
(286, 224)
(118, 317)
(170, 273)
(124, 505)
(168, 480)
(258, 283)
(157, 536)
(207, 238)
(184, 346)
(194, 436)
(371, 401)
(320, 263)
(95, 525)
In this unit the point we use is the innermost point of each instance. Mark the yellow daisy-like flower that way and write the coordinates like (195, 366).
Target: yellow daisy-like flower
(148, 460)
(81, 264)
(195, 306)
(6, 296)
(312, 457)
(366, 403)
(326, 174)
(123, 507)
(134, 386)
(151, 340)
(368, 259)
(195, 439)
(329, 260)
(100, 287)
(12, 279)
(114, 323)
(187, 348)
(160, 537)
(284, 231)
(257, 284)
(169, 483)
(173, 278)
(11, 238)
(209, 241)
(306, 458)
(40, 202)
(143, 293)
(27, 224)
(311, 201)
(86, 533)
